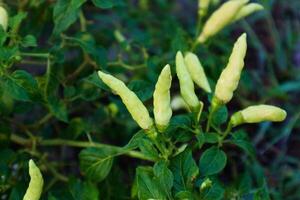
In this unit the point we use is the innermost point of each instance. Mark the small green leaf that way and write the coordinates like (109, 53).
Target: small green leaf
(245, 145)
(164, 176)
(76, 127)
(65, 14)
(136, 140)
(29, 41)
(83, 190)
(96, 163)
(220, 116)
(184, 195)
(144, 90)
(88, 44)
(212, 161)
(147, 185)
(148, 149)
(215, 192)
(107, 3)
(211, 138)
(240, 139)
(200, 139)
(15, 21)
(22, 86)
(185, 170)
(95, 80)
(57, 108)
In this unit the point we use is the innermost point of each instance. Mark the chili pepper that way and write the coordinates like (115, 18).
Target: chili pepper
(196, 71)
(258, 113)
(203, 7)
(247, 10)
(133, 104)
(221, 18)
(36, 183)
(230, 76)
(178, 103)
(3, 18)
(186, 84)
(162, 99)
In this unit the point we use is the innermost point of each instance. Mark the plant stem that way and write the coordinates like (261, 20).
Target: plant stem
(215, 105)
(39, 55)
(227, 131)
(210, 115)
(80, 144)
(82, 21)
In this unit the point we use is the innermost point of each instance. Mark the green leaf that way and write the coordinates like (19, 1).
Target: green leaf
(245, 183)
(29, 41)
(215, 192)
(76, 127)
(107, 3)
(65, 14)
(7, 56)
(88, 44)
(201, 139)
(212, 161)
(240, 139)
(179, 40)
(135, 140)
(144, 90)
(184, 195)
(96, 163)
(245, 145)
(179, 128)
(58, 108)
(164, 176)
(148, 149)
(15, 21)
(15, 90)
(3, 36)
(22, 86)
(211, 138)
(185, 170)
(83, 190)
(220, 116)
(95, 80)
(147, 185)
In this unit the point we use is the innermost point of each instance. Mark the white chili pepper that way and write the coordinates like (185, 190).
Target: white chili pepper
(133, 104)
(247, 10)
(196, 71)
(162, 99)
(186, 84)
(3, 18)
(203, 7)
(221, 18)
(230, 76)
(257, 114)
(36, 183)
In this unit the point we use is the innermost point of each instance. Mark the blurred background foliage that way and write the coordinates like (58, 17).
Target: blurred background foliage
(52, 91)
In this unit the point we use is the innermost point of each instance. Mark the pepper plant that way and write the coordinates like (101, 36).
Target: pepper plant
(183, 149)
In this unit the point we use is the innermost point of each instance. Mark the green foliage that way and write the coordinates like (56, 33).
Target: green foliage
(55, 109)
(212, 161)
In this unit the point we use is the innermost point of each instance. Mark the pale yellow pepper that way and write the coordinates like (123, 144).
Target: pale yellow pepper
(3, 18)
(247, 10)
(36, 183)
(221, 18)
(133, 104)
(257, 114)
(187, 89)
(196, 71)
(203, 6)
(162, 99)
(230, 76)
